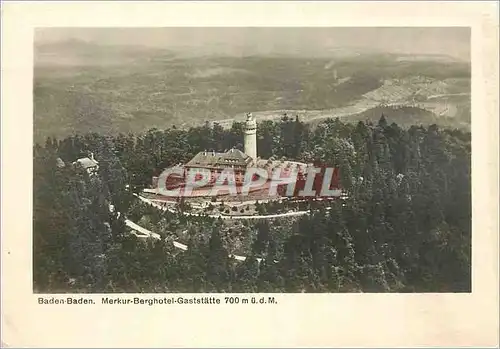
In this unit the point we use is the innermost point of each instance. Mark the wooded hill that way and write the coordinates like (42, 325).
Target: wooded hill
(406, 226)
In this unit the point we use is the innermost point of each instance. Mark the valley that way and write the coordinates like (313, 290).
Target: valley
(131, 89)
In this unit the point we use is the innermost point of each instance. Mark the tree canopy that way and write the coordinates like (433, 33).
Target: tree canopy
(405, 226)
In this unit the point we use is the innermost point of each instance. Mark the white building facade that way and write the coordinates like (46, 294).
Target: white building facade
(250, 137)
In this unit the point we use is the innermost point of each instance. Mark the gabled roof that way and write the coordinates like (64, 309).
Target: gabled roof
(60, 163)
(235, 154)
(215, 159)
(86, 163)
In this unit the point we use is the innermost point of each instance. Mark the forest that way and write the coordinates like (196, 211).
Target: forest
(405, 226)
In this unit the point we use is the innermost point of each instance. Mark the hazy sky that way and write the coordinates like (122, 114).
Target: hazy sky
(454, 42)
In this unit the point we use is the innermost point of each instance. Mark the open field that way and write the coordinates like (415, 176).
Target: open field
(82, 87)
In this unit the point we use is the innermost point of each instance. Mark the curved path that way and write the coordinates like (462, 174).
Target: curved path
(142, 232)
(448, 95)
(148, 233)
(287, 214)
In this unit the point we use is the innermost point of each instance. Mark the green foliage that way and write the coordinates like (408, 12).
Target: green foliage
(405, 226)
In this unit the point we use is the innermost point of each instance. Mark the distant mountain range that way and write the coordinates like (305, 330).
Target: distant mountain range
(82, 86)
(46, 52)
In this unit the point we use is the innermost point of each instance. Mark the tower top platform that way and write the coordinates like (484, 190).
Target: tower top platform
(250, 123)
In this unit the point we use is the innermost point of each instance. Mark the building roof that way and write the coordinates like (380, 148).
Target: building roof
(232, 157)
(87, 163)
(60, 163)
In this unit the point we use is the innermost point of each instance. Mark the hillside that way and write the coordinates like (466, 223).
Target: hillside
(405, 225)
(81, 87)
(402, 115)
